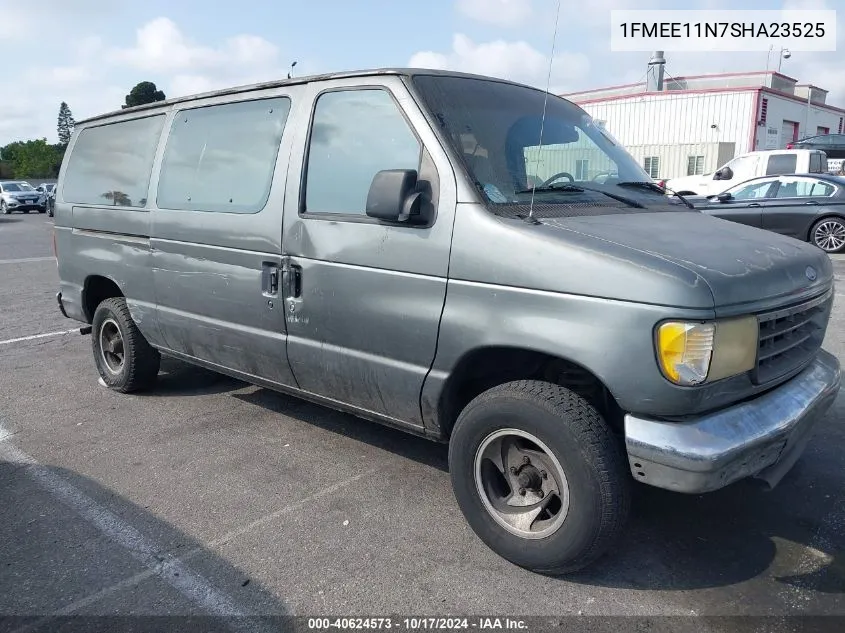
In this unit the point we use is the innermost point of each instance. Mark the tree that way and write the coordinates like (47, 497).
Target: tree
(33, 159)
(144, 92)
(65, 125)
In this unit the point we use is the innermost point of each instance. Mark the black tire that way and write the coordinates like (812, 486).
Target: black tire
(140, 361)
(592, 459)
(829, 235)
(4, 210)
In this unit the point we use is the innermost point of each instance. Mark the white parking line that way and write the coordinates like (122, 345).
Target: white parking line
(35, 336)
(25, 260)
(174, 571)
(187, 582)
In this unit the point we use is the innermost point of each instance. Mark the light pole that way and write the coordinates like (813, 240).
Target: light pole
(290, 72)
(784, 54)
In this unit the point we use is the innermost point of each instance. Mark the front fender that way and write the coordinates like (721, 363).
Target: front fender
(612, 339)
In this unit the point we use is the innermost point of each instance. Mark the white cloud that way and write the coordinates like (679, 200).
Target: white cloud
(162, 48)
(498, 12)
(517, 61)
(94, 75)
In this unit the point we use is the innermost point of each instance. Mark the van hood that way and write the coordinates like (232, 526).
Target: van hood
(744, 267)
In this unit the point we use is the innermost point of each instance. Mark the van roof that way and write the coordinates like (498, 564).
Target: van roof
(408, 72)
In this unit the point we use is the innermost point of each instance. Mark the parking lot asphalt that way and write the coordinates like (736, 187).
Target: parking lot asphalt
(210, 496)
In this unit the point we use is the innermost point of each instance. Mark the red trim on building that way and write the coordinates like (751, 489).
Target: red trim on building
(755, 117)
(663, 93)
(770, 91)
(786, 95)
(676, 79)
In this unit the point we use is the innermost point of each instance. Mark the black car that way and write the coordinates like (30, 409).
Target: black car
(831, 144)
(810, 207)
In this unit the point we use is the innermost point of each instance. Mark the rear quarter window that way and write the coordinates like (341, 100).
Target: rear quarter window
(781, 164)
(111, 164)
(816, 166)
(222, 157)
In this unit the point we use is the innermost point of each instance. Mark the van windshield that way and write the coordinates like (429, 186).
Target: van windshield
(495, 128)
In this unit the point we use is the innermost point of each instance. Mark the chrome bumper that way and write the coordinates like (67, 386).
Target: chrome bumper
(763, 437)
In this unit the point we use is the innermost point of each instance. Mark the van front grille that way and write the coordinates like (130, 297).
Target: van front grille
(790, 337)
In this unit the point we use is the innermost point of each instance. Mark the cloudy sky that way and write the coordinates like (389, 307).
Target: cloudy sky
(89, 53)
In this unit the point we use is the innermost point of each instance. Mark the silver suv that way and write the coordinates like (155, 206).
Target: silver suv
(17, 195)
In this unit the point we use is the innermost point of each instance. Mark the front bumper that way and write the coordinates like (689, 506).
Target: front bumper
(763, 437)
(26, 206)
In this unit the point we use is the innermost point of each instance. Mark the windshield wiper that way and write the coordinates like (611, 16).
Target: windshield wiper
(655, 187)
(581, 188)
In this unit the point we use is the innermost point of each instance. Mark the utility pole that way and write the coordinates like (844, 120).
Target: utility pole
(807, 112)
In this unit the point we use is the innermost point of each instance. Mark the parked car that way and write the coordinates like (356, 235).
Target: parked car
(19, 195)
(831, 144)
(747, 166)
(377, 248)
(49, 191)
(806, 207)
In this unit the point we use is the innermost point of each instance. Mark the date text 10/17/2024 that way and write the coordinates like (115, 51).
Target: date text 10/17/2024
(418, 624)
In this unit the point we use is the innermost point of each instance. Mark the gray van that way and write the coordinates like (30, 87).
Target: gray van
(468, 259)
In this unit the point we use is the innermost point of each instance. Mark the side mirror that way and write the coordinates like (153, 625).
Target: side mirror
(724, 173)
(394, 196)
(724, 197)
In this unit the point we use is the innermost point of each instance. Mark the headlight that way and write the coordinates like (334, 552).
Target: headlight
(693, 353)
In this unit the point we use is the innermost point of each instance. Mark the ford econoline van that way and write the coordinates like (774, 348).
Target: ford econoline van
(465, 258)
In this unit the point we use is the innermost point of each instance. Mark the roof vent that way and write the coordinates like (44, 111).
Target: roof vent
(656, 66)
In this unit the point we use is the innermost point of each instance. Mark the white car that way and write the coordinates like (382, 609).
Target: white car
(748, 166)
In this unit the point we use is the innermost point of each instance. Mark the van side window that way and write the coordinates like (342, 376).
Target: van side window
(816, 163)
(222, 157)
(781, 164)
(354, 134)
(111, 164)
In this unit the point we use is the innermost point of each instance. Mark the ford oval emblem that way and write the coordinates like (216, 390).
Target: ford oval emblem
(811, 273)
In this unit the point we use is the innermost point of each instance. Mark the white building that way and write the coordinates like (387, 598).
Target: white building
(692, 125)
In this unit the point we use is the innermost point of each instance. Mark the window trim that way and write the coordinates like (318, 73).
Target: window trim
(93, 205)
(175, 115)
(357, 218)
(695, 158)
(650, 163)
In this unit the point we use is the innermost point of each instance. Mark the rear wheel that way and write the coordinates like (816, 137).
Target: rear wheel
(125, 360)
(829, 235)
(539, 476)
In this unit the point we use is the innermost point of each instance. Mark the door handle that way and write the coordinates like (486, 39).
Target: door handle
(292, 280)
(270, 278)
(811, 202)
(754, 204)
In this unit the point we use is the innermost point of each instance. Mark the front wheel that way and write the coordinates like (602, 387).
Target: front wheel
(125, 360)
(539, 476)
(829, 235)
(4, 210)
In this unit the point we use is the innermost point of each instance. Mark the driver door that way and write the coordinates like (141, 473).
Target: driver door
(745, 206)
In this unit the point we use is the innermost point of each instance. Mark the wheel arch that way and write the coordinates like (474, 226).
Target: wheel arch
(824, 216)
(483, 368)
(95, 290)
